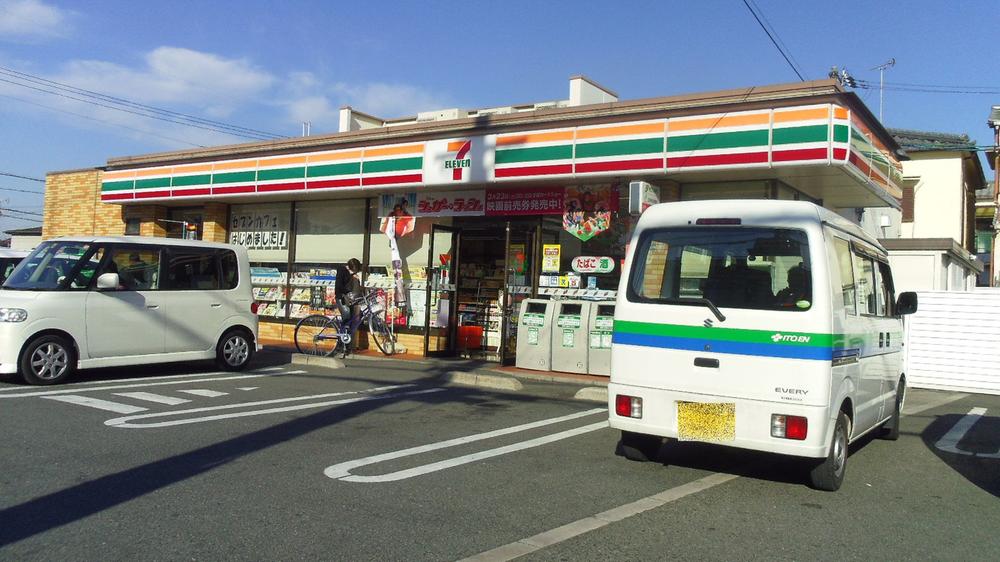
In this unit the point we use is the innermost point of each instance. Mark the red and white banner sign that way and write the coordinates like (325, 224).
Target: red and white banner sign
(525, 201)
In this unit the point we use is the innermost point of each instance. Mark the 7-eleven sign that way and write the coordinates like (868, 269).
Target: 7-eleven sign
(461, 161)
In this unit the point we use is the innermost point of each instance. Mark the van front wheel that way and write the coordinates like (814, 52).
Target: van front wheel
(234, 350)
(829, 474)
(639, 447)
(48, 360)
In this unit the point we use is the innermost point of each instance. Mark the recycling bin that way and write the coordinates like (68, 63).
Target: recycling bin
(534, 335)
(602, 321)
(569, 336)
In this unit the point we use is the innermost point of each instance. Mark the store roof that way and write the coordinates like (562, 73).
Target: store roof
(31, 231)
(924, 141)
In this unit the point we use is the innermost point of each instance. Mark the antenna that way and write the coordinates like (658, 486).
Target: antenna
(306, 128)
(881, 82)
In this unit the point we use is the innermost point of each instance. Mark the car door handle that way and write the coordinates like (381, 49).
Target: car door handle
(216, 304)
(152, 306)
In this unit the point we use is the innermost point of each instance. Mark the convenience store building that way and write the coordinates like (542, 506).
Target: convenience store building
(475, 210)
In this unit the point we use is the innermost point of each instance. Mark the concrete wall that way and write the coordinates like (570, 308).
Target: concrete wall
(938, 198)
(24, 242)
(929, 270)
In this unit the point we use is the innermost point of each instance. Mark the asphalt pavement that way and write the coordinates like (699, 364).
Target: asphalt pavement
(397, 460)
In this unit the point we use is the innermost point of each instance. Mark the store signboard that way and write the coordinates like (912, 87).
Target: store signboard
(259, 230)
(524, 201)
(641, 196)
(459, 161)
(433, 204)
(550, 258)
(593, 264)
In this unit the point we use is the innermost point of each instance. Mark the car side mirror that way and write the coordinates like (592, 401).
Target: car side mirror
(906, 303)
(107, 281)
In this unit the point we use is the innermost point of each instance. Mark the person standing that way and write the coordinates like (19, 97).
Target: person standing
(347, 289)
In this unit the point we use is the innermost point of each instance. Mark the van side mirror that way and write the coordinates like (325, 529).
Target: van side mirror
(906, 303)
(107, 281)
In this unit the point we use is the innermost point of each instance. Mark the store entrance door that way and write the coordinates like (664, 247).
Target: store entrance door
(441, 306)
(521, 281)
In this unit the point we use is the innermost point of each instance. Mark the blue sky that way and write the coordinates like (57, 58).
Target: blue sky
(270, 65)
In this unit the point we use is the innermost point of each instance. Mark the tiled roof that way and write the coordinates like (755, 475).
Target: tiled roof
(921, 141)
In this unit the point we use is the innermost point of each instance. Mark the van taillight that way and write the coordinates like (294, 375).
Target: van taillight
(628, 406)
(789, 427)
(254, 307)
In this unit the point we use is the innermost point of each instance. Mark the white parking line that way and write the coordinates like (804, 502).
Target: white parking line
(142, 385)
(98, 403)
(528, 545)
(82, 385)
(342, 471)
(203, 392)
(150, 397)
(949, 442)
(130, 421)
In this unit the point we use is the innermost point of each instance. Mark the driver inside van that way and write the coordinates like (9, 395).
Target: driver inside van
(798, 288)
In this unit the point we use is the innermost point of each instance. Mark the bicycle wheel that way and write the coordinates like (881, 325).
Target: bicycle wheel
(318, 335)
(379, 331)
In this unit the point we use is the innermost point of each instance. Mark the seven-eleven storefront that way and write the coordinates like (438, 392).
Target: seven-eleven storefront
(458, 221)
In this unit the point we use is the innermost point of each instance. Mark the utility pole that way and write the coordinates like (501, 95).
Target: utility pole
(881, 82)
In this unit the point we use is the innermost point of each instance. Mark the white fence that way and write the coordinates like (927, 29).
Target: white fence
(953, 341)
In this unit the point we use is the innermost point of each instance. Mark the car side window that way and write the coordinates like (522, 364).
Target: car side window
(846, 266)
(887, 293)
(867, 289)
(88, 267)
(193, 269)
(230, 269)
(138, 268)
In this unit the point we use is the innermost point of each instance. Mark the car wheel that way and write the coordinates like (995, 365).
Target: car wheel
(48, 360)
(234, 350)
(829, 474)
(890, 430)
(639, 447)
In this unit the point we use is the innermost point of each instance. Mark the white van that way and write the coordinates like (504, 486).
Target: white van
(106, 302)
(765, 325)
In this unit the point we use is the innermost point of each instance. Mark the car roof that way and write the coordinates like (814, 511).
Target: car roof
(143, 240)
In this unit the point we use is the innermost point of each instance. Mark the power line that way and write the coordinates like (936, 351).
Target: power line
(105, 121)
(129, 103)
(8, 174)
(20, 218)
(777, 36)
(99, 104)
(22, 212)
(22, 190)
(776, 45)
(865, 84)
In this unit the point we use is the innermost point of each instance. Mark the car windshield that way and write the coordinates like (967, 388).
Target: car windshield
(49, 266)
(735, 267)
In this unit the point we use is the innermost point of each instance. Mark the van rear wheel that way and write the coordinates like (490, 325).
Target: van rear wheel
(639, 447)
(829, 474)
(235, 350)
(48, 360)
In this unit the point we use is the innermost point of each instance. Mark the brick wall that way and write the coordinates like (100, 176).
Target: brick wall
(214, 222)
(73, 206)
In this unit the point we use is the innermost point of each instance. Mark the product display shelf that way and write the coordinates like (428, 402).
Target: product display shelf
(479, 316)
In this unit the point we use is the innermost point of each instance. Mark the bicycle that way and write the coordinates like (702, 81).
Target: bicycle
(324, 334)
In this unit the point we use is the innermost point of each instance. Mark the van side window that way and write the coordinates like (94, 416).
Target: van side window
(138, 268)
(230, 269)
(193, 269)
(867, 302)
(887, 293)
(845, 262)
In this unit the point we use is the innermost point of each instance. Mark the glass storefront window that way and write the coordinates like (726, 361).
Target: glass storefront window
(327, 234)
(264, 230)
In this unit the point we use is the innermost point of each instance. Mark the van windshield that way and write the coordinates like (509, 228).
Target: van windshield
(54, 266)
(734, 267)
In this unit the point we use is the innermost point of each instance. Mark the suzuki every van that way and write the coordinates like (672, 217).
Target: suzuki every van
(764, 325)
(105, 302)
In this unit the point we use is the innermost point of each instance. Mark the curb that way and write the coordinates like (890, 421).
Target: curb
(495, 382)
(546, 378)
(312, 360)
(593, 394)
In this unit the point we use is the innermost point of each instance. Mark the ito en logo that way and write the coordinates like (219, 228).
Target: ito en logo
(789, 338)
(461, 161)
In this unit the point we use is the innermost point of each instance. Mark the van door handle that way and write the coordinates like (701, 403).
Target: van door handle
(706, 362)
(216, 304)
(888, 339)
(152, 306)
(881, 339)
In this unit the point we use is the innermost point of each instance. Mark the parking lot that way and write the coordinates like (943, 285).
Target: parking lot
(390, 460)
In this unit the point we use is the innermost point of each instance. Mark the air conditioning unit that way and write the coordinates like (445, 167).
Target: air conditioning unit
(442, 114)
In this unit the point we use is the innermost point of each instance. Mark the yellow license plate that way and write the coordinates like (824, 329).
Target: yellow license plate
(700, 421)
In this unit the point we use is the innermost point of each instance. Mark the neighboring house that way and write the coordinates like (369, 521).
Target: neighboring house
(24, 238)
(986, 235)
(932, 239)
